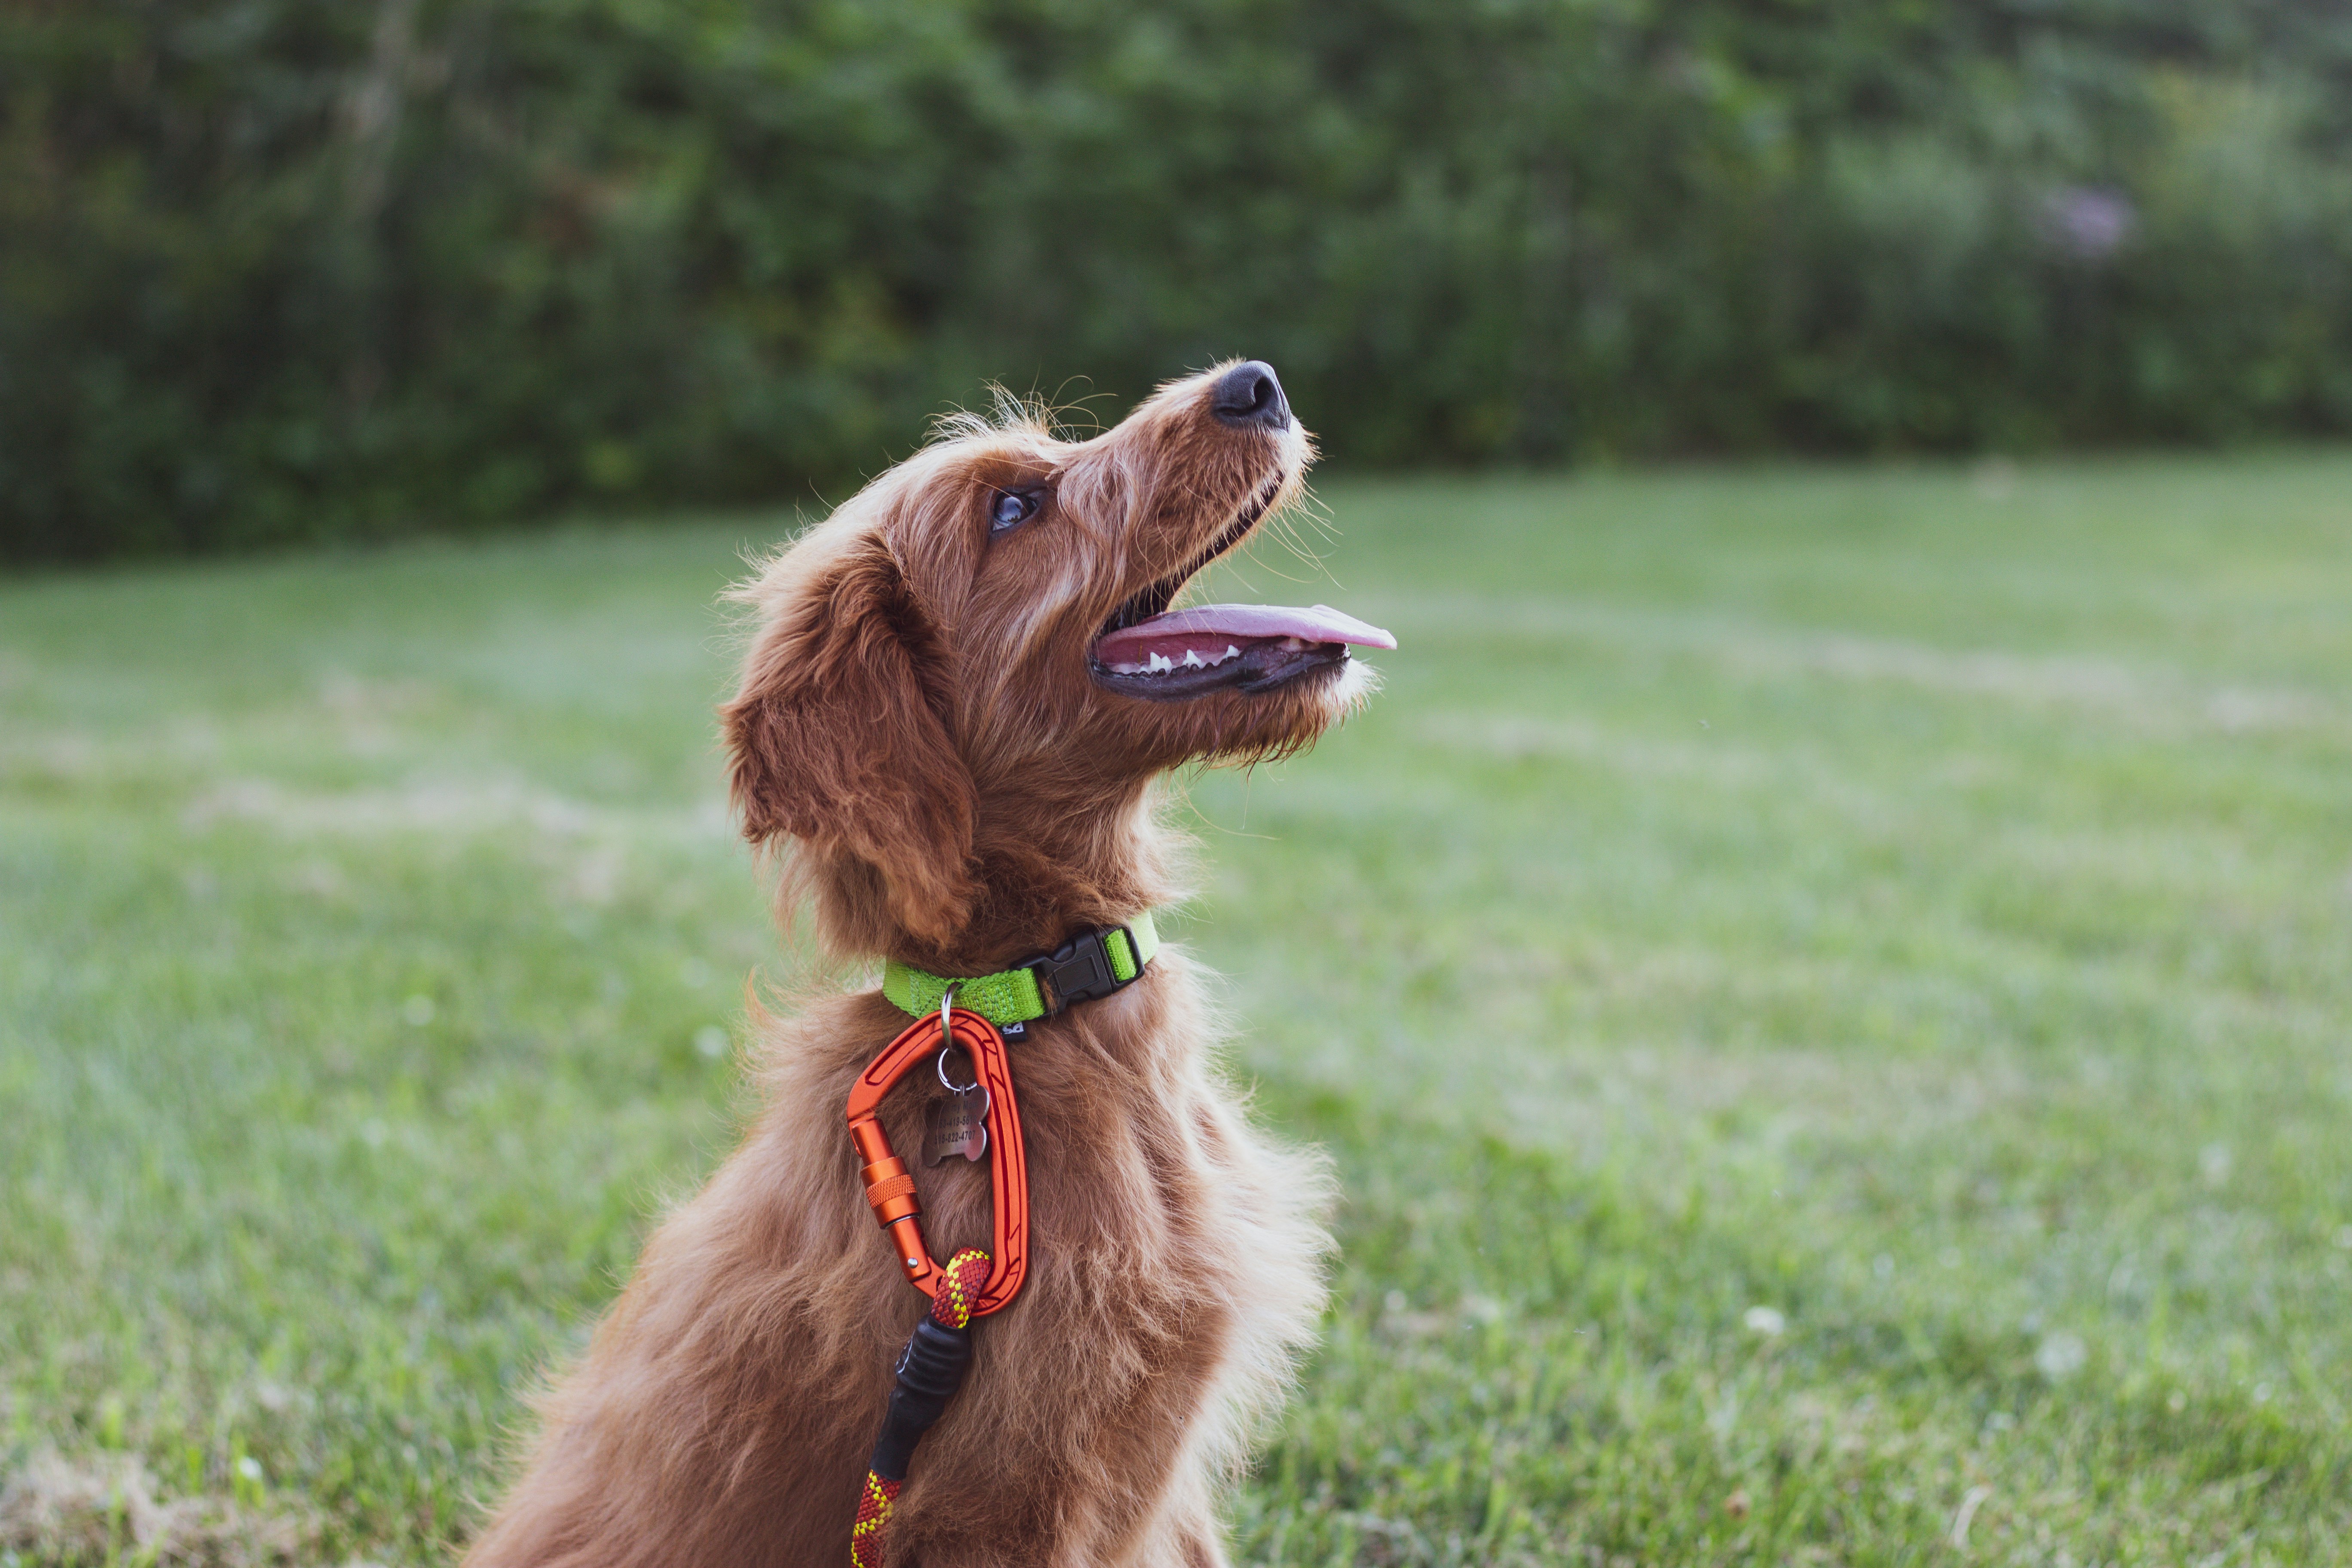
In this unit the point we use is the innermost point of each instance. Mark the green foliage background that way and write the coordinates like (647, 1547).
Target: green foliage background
(277, 269)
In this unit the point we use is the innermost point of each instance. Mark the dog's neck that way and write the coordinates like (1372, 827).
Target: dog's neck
(1045, 870)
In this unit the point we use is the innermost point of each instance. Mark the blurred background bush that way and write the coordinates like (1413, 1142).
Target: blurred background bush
(286, 270)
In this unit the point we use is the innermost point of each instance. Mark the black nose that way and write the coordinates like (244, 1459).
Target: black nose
(1249, 394)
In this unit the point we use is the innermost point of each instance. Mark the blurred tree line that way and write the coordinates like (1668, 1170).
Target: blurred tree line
(306, 268)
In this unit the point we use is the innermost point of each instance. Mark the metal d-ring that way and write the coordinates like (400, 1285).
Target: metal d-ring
(947, 1044)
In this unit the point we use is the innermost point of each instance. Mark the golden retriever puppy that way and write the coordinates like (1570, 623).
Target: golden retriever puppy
(963, 687)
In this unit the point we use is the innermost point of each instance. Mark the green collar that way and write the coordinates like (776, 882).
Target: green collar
(1092, 966)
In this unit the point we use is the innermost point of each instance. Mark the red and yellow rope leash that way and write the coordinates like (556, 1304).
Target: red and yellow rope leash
(960, 1284)
(969, 1285)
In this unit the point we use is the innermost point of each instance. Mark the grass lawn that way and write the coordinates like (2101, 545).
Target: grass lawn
(1830, 992)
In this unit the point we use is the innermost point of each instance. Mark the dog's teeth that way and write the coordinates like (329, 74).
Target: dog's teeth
(1162, 664)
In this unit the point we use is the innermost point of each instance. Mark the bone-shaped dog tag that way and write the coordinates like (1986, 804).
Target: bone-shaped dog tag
(958, 1125)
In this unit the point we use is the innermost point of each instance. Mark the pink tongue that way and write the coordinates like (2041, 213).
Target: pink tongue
(1131, 644)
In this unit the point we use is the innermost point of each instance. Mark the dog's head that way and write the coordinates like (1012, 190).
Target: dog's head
(962, 679)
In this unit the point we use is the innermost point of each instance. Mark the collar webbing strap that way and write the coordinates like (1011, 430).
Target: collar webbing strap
(1092, 966)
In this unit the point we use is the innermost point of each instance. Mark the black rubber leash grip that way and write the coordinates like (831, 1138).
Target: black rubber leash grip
(930, 1369)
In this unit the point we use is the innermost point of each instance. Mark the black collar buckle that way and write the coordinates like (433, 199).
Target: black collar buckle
(1079, 970)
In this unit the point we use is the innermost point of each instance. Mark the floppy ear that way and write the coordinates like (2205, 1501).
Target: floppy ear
(836, 738)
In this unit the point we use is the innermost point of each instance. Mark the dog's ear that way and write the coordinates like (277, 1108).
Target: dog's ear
(837, 737)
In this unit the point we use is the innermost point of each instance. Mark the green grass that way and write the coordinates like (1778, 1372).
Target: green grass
(1830, 992)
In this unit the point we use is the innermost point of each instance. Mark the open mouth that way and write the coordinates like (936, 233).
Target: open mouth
(1145, 649)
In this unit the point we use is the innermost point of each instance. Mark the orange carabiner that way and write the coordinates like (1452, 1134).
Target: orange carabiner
(891, 1187)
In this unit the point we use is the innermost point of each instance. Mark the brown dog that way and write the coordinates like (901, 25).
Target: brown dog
(961, 694)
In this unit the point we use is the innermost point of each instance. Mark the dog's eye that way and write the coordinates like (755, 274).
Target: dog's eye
(1012, 507)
